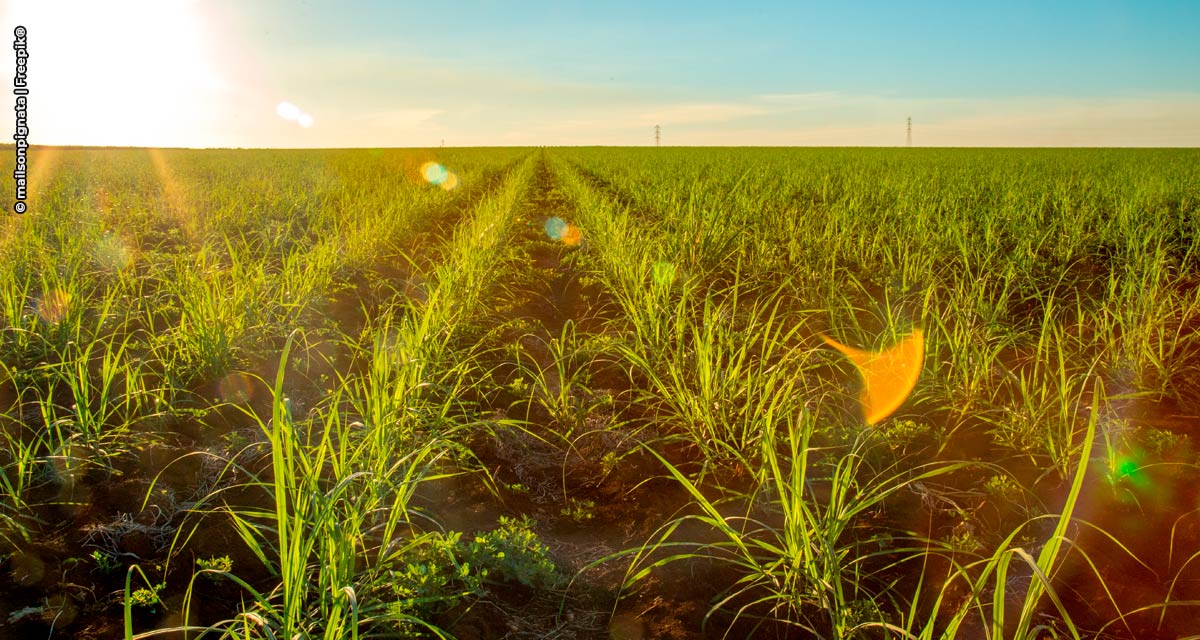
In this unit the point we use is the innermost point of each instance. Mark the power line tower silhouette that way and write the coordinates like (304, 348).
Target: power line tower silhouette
(657, 136)
(908, 133)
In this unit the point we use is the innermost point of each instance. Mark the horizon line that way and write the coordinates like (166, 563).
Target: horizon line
(91, 147)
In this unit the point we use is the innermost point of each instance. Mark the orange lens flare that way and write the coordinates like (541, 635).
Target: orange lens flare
(572, 236)
(173, 191)
(43, 164)
(888, 376)
(178, 205)
(563, 231)
(412, 163)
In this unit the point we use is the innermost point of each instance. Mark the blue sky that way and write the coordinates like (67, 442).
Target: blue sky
(211, 73)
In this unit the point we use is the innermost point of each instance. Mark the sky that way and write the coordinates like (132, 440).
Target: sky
(213, 73)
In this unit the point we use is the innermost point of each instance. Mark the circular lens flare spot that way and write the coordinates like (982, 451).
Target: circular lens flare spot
(555, 228)
(288, 111)
(112, 253)
(305, 120)
(572, 236)
(27, 569)
(434, 173)
(236, 387)
(450, 182)
(1130, 472)
(663, 273)
(53, 306)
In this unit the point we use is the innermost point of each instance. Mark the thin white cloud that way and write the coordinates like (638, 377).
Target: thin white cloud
(1169, 120)
(678, 114)
(822, 119)
(803, 99)
(400, 119)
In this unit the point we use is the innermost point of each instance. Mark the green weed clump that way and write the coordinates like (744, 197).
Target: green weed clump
(513, 552)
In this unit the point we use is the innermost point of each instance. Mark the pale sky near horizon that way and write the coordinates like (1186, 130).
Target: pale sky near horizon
(212, 73)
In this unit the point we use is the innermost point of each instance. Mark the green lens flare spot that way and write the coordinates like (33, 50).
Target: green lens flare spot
(1127, 469)
(555, 228)
(663, 273)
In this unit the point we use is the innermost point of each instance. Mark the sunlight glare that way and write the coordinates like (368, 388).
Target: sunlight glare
(163, 84)
(179, 206)
(43, 165)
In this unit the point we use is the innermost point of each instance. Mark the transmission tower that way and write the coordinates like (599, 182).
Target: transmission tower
(657, 136)
(908, 133)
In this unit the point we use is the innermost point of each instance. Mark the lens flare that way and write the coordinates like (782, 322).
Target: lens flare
(1127, 468)
(288, 111)
(572, 236)
(112, 254)
(53, 306)
(415, 288)
(43, 165)
(292, 113)
(626, 626)
(558, 229)
(888, 376)
(663, 273)
(434, 173)
(236, 387)
(411, 162)
(1129, 471)
(555, 228)
(27, 569)
(450, 182)
(103, 201)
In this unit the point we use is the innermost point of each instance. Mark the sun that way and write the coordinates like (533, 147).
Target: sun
(129, 72)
